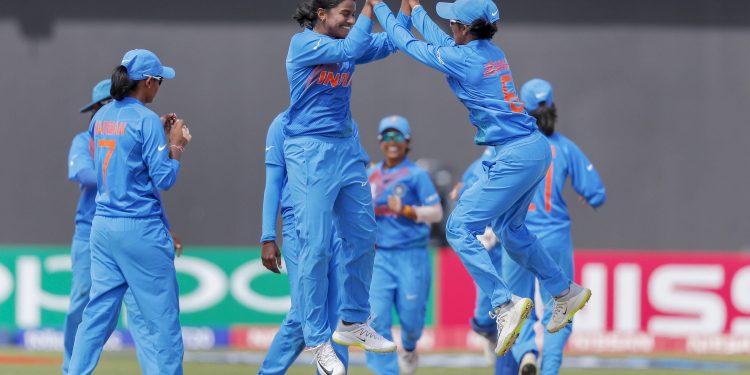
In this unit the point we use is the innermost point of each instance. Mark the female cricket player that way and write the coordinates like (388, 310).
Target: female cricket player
(81, 170)
(406, 203)
(548, 219)
(130, 243)
(479, 75)
(289, 341)
(327, 182)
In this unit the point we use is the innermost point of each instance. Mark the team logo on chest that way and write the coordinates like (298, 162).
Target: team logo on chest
(399, 190)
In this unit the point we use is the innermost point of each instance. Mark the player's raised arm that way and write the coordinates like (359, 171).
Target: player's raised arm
(445, 59)
(431, 32)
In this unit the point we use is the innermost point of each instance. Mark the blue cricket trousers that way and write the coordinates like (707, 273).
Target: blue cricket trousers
(79, 297)
(289, 341)
(135, 253)
(560, 246)
(329, 186)
(401, 278)
(501, 199)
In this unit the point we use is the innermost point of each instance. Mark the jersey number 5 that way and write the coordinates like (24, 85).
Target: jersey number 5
(110, 145)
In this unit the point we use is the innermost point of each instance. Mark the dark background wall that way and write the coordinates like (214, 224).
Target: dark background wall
(654, 91)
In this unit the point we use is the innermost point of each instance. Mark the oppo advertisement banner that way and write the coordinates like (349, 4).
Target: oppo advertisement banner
(642, 301)
(223, 292)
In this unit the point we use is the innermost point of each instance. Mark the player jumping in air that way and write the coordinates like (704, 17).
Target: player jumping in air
(289, 341)
(327, 181)
(548, 219)
(406, 203)
(479, 75)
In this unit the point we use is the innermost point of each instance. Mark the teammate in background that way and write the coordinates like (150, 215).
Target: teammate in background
(482, 323)
(289, 341)
(406, 203)
(327, 182)
(81, 170)
(130, 243)
(479, 75)
(548, 219)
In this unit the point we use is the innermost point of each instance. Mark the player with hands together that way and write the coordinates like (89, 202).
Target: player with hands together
(406, 203)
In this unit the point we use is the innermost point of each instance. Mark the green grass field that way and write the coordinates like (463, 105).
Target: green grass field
(123, 363)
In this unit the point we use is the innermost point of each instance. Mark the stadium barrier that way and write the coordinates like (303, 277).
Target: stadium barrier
(644, 301)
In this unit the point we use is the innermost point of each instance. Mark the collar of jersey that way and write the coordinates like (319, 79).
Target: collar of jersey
(130, 99)
(398, 166)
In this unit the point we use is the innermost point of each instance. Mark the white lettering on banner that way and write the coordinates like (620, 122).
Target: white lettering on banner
(30, 298)
(741, 299)
(212, 283)
(198, 338)
(240, 287)
(670, 291)
(52, 340)
(6, 283)
(627, 306)
(720, 344)
(594, 316)
(611, 342)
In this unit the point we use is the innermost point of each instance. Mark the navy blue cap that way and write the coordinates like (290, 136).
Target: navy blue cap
(468, 11)
(395, 122)
(536, 91)
(142, 64)
(99, 93)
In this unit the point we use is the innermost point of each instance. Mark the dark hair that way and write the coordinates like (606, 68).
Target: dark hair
(307, 11)
(483, 29)
(121, 84)
(545, 116)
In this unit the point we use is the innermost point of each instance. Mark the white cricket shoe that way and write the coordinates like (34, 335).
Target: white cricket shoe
(363, 336)
(408, 361)
(510, 318)
(326, 360)
(566, 306)
(528, 364)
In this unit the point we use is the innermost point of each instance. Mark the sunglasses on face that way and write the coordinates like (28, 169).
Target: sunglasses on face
(157, 78)
(392, 136)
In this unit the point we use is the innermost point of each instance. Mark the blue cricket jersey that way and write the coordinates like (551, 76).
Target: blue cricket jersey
(80, 159)
(275, 156)
(320, 71)
(478, 74)
(548, 211)
(413, 185)
(132, 160)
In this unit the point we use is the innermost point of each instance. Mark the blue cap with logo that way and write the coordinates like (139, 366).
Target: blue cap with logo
(99, 93)
(536, 91)
(468, 11)
(142, 64)
(395, 122)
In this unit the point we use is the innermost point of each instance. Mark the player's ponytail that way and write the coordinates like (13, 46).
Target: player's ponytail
(545, 116)
(121, 84)
(306, 13)
(483, 29)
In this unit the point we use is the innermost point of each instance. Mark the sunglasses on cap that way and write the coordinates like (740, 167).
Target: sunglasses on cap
(457, 22)
(392, 136)
(157, 78)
